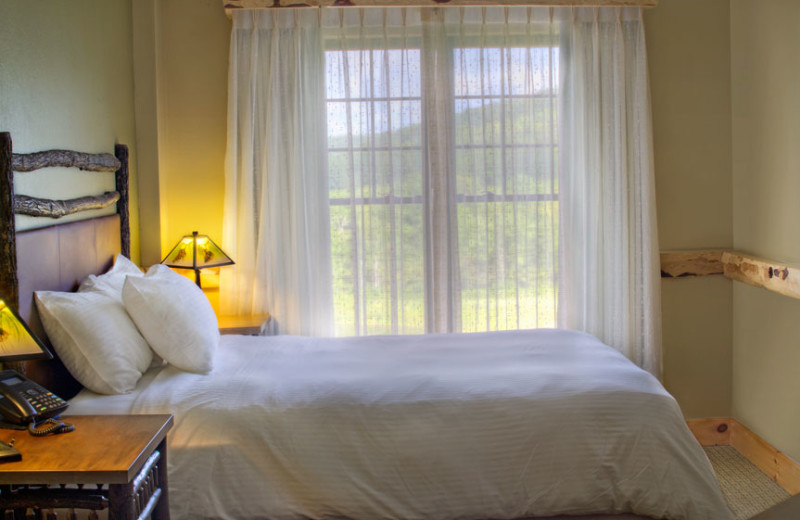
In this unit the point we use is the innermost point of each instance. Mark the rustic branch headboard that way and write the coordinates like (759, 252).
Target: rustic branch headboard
(58, 257)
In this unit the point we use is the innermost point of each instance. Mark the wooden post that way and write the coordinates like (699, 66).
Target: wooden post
(162, 506)
(121, 175)
(8, 244)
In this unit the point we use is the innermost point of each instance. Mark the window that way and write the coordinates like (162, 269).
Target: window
(500, 142)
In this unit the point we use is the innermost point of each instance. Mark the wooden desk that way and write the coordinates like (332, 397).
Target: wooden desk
(126, 452)
(249, 324)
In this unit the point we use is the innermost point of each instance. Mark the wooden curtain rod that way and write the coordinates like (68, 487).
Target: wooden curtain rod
(268, 4)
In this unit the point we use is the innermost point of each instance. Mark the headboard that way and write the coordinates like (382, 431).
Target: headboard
(58, 257)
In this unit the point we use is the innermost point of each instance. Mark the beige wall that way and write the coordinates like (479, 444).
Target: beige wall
(66, 81)
(689, 58)
(765, 36)
(185, 85)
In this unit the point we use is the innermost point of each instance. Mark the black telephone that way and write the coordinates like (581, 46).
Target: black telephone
(23, 402)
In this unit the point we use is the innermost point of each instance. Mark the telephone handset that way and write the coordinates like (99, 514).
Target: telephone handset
(24, 402)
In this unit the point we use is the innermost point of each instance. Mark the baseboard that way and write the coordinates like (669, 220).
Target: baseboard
(730, 432)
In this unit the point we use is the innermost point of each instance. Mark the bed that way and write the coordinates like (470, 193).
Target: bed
(523, 424)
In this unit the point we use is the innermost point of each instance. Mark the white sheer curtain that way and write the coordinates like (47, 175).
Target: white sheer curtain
(276, 190)
(443, 169)
(609, 284)
(442, 145)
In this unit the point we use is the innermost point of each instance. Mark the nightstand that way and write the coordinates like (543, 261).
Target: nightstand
(127, 454)
(242, 324)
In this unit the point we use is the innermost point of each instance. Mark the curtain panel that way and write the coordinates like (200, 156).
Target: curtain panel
(409, 170)
(610, 277)
(276, 189)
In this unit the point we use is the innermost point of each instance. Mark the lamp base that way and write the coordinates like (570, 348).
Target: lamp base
(9, 453)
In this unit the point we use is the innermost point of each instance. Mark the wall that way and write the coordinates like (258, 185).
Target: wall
(182, 77)
(689, 53)
(689, 59)
(765, 38)
(66, 81)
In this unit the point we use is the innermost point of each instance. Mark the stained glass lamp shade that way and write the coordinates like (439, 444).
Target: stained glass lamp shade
(196, 252)
(17, 342)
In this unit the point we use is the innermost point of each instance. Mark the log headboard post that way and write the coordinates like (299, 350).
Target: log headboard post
(121, 176)
(8, 252)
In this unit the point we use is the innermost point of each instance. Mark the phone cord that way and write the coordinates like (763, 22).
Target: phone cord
(49, 426)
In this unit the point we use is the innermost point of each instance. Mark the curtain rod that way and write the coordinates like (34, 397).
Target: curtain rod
(269, 4)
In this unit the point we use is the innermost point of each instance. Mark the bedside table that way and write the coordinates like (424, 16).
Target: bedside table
(127, 454)
(242, 324)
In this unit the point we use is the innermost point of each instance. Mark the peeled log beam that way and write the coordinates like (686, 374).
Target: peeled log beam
(90, 162)
(678, 264)
(24, 205)
(265, 4)
(759, 272)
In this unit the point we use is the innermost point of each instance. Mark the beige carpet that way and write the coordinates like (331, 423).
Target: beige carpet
(747, 490)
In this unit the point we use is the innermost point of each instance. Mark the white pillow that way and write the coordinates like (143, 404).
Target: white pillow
(112, 281)
(175, 318)
(95, 338)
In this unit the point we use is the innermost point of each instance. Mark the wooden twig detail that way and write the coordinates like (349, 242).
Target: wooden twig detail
(679, 264)
(24, 205)
(270, 4)
(90, 162)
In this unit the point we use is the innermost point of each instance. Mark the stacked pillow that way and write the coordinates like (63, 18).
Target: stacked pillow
(106, 333)
(174, 316)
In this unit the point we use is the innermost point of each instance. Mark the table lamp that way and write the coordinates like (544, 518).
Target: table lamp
(196, 252)
(17, 342)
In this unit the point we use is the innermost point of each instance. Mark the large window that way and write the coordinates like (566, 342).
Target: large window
(499, 133)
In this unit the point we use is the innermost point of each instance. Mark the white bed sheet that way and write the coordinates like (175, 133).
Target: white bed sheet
(494, 425)
(90, 403)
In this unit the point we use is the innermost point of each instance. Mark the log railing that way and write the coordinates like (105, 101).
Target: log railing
(778, 277)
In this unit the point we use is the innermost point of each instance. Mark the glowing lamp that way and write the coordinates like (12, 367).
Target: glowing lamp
(17, 342)
(196, 252)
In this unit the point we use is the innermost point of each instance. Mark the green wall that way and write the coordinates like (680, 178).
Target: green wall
(765, 36)
(689, 59)
(66, 81)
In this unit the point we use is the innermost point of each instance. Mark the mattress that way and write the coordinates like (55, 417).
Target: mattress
(445, 426)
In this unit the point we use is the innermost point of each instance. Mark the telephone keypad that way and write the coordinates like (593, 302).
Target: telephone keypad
(46, 401)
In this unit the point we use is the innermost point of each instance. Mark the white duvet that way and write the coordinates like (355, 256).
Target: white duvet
(464, 426)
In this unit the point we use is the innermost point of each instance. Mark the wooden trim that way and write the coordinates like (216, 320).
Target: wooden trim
(35, 207)
(780, 468)
(679, 264)
(90, 162)
(759, 272)
(729, 432)
(774, 276)
(711, 432)
(268, 4)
